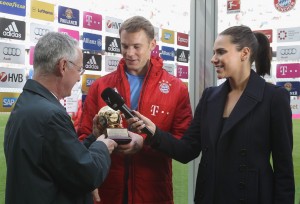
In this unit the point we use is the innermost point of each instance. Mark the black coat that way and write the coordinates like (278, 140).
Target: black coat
(46, 163)
(235, 164)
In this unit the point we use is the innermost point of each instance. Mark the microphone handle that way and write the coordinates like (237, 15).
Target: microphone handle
(128, 114)
(147, 131)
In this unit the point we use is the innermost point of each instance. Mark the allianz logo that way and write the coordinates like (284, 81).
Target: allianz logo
(114, 46)
(93, 42)
(99, 42)
(163, 52)
(92, 64)
(12, 31)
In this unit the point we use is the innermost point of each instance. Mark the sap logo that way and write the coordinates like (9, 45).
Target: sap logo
(8, 102)
(89, 82)
(167, 36)
(164, 52)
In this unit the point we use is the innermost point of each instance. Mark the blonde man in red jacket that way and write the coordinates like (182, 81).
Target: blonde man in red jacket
(146, 176)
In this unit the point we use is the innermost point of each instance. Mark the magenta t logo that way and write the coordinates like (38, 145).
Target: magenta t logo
(288, 70)
(154, 110)
(182, 72)
(88, 20)
(92, 21)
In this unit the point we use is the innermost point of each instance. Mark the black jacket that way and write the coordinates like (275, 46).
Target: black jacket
(46, 163)
(235, 164)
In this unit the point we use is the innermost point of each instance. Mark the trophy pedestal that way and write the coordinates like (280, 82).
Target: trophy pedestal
(119, 135)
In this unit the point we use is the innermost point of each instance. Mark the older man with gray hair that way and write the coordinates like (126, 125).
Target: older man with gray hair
(46, 163)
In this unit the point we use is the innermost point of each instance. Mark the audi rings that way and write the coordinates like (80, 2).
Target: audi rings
(11, 51)
(288, 51)
(40, 31)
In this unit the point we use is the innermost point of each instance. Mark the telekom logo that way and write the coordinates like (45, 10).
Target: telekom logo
(288, 70)
(283, 70)
(154, 110)
(92, 21)
(88, 19)
(182, 72)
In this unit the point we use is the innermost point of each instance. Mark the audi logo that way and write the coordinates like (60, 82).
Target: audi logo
(40, 31)
(11, 51)
(113, 62)
(289, 51)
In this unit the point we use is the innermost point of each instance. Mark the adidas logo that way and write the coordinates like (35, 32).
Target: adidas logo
(113, 47)
(12, 31)
(182, 57)
(92, 64)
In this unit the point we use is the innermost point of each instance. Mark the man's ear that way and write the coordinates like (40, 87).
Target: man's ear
(152, 44)
(61, 67)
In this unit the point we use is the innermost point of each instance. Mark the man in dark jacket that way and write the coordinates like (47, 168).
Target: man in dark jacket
(46, 163)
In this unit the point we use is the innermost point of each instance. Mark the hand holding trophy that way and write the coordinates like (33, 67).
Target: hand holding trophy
(111, 120)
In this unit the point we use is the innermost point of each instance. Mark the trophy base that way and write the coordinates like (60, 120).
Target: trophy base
(119, 135)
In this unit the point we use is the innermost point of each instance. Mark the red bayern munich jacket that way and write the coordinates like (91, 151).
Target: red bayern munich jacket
(164, 99)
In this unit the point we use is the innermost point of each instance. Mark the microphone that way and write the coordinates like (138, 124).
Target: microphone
(116, 102)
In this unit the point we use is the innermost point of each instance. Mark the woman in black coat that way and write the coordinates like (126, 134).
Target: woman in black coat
(238, 126)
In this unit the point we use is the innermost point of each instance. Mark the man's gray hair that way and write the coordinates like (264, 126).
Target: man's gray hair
(52, 47)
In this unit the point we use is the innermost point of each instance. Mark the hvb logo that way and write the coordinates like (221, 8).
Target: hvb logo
(113, 25)
(8, 102)
(11, 77)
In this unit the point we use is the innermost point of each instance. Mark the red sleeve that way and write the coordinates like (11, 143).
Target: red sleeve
(183, 113)
(76, 116)
(90, 109)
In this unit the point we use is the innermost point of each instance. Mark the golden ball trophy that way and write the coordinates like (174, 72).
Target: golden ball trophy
(111, 120)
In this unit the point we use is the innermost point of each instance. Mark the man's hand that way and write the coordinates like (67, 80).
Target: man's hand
(98, 129)
(134, 146)
(111, 145)
(96, 196)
